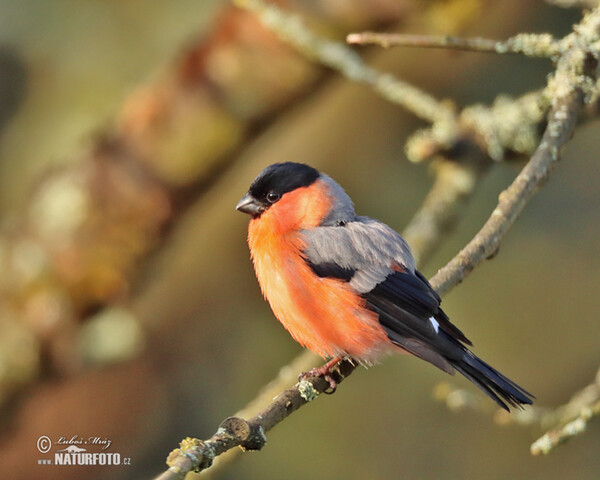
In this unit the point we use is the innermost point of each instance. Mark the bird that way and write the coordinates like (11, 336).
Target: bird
(346, 286)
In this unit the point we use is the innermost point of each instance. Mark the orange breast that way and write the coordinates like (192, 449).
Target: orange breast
(323, 314)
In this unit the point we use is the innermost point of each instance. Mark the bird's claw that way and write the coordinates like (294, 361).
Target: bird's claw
(332, 384)
(323, 372)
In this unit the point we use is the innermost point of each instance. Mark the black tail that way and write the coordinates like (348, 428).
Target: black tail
(501, 389)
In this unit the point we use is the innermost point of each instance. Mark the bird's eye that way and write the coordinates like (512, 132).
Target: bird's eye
(272, 197)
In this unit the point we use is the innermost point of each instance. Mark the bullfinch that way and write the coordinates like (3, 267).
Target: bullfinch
(346, 286)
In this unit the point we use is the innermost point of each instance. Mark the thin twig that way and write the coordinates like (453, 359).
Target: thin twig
(567, 420)
(561, 423)
(454, 183)
(340, 57)
(567, 91)
(553, 438)
(531, 45)
(485, 244)
(197, 455)
(509, 127)
(287, 376)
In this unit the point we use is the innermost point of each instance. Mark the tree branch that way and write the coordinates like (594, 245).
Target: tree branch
(561, 423)
(454, 184)
(287, 376)
(569, 420)
(573, 83)
(531, 45)
(197, 455)
(485, 244)
(566, 90)
(338, 56)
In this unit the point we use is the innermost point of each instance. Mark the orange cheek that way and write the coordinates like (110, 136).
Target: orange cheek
(299, 209)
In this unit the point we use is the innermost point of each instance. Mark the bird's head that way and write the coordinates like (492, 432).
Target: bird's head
(296, 196)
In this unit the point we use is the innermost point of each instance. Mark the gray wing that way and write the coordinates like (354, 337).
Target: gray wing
(367, 248)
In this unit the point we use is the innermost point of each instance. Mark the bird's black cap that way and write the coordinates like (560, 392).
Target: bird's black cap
(270, 184)
(281, 178)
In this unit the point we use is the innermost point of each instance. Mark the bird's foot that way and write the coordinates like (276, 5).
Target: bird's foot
(325, 373)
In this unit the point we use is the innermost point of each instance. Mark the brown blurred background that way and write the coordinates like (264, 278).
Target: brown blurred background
(128, 131)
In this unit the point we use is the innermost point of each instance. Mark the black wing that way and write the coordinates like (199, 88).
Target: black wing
(403, 301)
(413, 294)
(332, 270)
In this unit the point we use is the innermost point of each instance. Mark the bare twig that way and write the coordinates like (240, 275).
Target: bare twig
(197, 455)
(338, 56)
(570, 419)
(510, 125)
(551, 439)
(508, 128)
(454, 184)
(287, 376)
(567, 90)
(561, 423)
(531, 45)
(485, 244)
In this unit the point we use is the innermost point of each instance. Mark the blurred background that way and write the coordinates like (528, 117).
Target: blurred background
(129, 309)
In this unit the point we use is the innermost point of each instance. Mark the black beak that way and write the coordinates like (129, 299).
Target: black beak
(248, 204)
